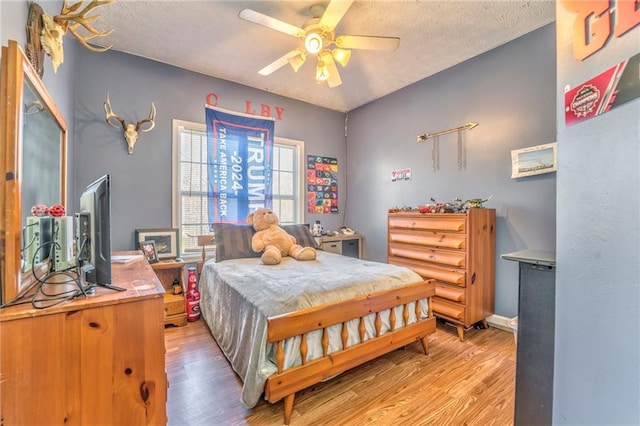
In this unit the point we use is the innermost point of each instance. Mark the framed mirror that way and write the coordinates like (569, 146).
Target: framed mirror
(34, 169)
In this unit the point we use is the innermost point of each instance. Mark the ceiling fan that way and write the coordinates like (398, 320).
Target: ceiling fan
(318, 39)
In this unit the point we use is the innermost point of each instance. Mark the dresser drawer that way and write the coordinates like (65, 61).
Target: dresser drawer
(438, 222)
(174, 304)
(455, 294)
(332, 247)
(447, 309)
(451, 276)
(428, 238)
(457, 259)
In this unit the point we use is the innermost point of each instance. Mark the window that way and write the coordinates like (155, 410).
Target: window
(190, 212)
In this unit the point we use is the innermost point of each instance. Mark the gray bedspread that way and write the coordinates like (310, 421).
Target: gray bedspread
(237, 297)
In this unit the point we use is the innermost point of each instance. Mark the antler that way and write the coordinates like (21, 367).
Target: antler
(109, 114)
(130, 131)
(151, 119)
(67, 16)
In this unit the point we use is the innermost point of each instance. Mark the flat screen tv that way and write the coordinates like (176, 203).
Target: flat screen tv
(94, 231)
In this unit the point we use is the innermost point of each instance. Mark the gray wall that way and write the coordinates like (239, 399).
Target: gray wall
(141, 183)
(509, 91)
(597, 342)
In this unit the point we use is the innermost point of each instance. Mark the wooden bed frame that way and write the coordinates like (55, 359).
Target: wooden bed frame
(285, 383)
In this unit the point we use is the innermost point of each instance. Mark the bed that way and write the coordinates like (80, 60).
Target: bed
(286, 327)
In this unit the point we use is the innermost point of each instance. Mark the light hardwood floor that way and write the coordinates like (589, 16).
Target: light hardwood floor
(458, 383)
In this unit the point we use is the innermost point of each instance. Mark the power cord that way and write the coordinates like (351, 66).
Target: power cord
(42, 294)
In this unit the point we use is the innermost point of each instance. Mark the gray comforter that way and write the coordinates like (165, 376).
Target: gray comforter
(237, 297)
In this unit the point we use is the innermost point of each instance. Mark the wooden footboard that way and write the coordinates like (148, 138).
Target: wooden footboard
(285, 383)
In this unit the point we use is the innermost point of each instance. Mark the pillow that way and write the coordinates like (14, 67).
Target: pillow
(233, 241)
(302, 234)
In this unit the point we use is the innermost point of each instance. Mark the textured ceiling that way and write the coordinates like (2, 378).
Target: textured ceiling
(209, 38)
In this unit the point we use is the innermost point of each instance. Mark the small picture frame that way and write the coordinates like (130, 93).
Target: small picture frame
(149, 250)
(166, 241)
(535, 160)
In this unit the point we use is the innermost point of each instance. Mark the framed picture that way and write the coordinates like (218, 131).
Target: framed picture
(149, 250)
(165, 239)
(534, 160)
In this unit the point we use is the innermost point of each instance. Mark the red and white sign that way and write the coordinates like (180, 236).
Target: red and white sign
(401, 174)
(617, 85)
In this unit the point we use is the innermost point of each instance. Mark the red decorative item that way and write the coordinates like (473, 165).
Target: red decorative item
(40, 210)
(57, 210)
(193, 296)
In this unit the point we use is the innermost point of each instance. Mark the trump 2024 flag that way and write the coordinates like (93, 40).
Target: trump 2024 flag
(240, 152)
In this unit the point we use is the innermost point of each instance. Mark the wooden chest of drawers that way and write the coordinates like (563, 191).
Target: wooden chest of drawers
(458, 251)
(98, 360)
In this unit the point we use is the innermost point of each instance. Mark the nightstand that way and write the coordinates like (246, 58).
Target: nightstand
(175, 306)
(346, 245)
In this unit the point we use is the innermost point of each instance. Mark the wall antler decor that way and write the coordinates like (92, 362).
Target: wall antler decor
(435, 163)
(54, 28)
(130, 130)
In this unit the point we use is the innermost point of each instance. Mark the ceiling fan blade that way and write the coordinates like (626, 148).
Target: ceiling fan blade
(278, 63)
(388, 44)
(334, 13)
(334, 79)
(269, 22)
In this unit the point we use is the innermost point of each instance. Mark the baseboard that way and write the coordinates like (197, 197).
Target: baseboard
(498, 321)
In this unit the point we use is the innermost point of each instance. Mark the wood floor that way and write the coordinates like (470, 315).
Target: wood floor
(458, 383)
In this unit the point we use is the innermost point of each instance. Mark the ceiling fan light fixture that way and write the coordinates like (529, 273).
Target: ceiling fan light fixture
(322, 73)
(297, 61)
(313, 43)
(341, 56)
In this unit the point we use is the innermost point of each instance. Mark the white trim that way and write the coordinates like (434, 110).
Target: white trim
(498, 321)
(302, 174)
(175, 160)
(293, 144)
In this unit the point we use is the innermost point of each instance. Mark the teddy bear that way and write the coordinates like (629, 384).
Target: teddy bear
(273, 240)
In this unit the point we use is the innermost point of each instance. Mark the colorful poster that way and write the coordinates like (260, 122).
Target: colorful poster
(616, 86)
(322, 184)
(240, 154)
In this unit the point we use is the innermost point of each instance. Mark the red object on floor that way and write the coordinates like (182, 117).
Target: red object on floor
(193, 296)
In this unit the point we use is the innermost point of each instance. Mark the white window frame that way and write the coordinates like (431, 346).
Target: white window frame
(175, 184)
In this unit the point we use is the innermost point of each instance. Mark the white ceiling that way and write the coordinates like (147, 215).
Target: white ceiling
(209, 38)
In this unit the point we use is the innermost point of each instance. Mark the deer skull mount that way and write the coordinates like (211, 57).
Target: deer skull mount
(54, 29)
(130, 130)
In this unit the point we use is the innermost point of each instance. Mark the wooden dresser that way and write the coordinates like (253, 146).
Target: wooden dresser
(458, 251)
(93, 361)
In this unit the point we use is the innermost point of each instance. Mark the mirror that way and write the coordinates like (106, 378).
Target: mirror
(34, 170)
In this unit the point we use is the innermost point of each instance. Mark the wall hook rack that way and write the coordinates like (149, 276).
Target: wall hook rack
(435, 163)
(423, 137)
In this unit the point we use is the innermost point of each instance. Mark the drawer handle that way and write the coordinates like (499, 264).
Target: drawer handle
(473, 278)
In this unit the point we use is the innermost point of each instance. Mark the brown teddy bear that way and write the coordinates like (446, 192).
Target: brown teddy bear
(273, 240)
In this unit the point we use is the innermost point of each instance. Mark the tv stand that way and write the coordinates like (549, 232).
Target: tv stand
(89, 271)
(109, 286)
(98, 360)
